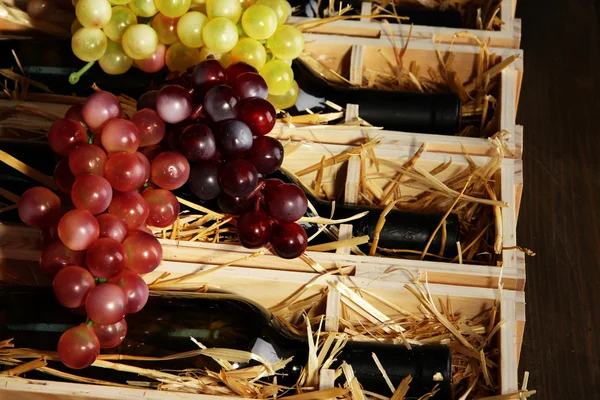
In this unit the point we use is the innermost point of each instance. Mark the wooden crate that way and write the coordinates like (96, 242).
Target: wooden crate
(252, 283)
(508, 36)
(350, 56)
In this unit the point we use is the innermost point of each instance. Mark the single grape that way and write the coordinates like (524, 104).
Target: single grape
(286, 43)
(234, 205)
(281, 7)
(93, 13)
(65, 135)
(189, 29)
(152, 151)
(288, 240)
(112, 226)
(125, 172)
(143, 252)
(207, 74)
(249, 51)
(266, 154)
(147, 100)
(286, 100)
(170, 170)
(197, 143)
(40, 8)
(75, 113)
(78, 229)
(121, 19)
(87, 159)
(56, 256)
(173, 8)
(115, 61)
(221, 103)
(150, 126)
(235, 70)
(140, 41)
(147, 166)
(235, 137)
(78, 347)
(259, 115)
(166, 28)
(131, 207)
(230, 9)
(135, 289)
(63, 177)
(286, 204)
(250, 84)
(180, 58)
(71, 286)
(143, 8)
(39, 207)
(278, 75)
(238, 178)
(253, 229)
(120, 135)
(89, 44)
(270, 185)
(105, 258)
(99, 108)
(106, 304)
(173, 104)
(259, 22)
(155, 62)
(220, 35)
(204, 181)
(163, 206)
(111, 335)
(92, 193)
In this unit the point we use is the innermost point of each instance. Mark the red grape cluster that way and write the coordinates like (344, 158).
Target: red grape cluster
(219, 118)
(96, 239)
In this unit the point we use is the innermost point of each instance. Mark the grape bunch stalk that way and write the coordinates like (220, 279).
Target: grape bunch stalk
(179, 34)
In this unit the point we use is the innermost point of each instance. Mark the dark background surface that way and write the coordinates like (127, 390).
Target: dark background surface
(559, 219)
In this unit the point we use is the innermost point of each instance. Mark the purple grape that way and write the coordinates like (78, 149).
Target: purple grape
(250, 84)
(253, 229)
(235, 70)
(258, 114)
(221, 103)
(286, 204)
(197, 143)
(207, 74)
(147, 100)
(204, 181)
(173, 104)
(288, 240)
(238, 178)
(235, 137)
(234, 205)
(266, 154)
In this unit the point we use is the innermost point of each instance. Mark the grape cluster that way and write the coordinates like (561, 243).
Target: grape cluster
(218, 120)
(181, 33)
(94, 231)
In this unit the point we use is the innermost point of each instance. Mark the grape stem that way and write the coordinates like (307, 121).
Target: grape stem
(89, 322)
(197, 113)
(74, 77)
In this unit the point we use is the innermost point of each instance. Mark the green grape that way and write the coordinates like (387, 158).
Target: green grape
(278, 76)
(259, 22)
(119, 2)
(75, 26)
(281, 7)
(205, 52)
(180, 58)
(122, 18)
(115, 61)
(286, 43)
(286, 100)
(93, 13)
(230, 9)
(89, 44)
(220, 35)
(140, 41)
(249, 51)
(189, 29)
(166, 28)
(143, 8)
(173, 8)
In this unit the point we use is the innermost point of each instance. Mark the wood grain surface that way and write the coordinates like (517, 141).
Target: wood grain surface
(560, 111)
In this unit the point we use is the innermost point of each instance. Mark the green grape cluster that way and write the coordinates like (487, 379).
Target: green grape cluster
(178, 34)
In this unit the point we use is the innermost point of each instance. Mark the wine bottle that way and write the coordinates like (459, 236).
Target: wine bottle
(416, 15)
(438, 113)
(33, 317)
(403, 229)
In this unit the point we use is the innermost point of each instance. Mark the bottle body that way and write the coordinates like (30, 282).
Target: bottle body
(34, 319)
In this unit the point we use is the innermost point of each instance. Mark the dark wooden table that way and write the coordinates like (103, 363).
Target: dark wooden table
(560, 213)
